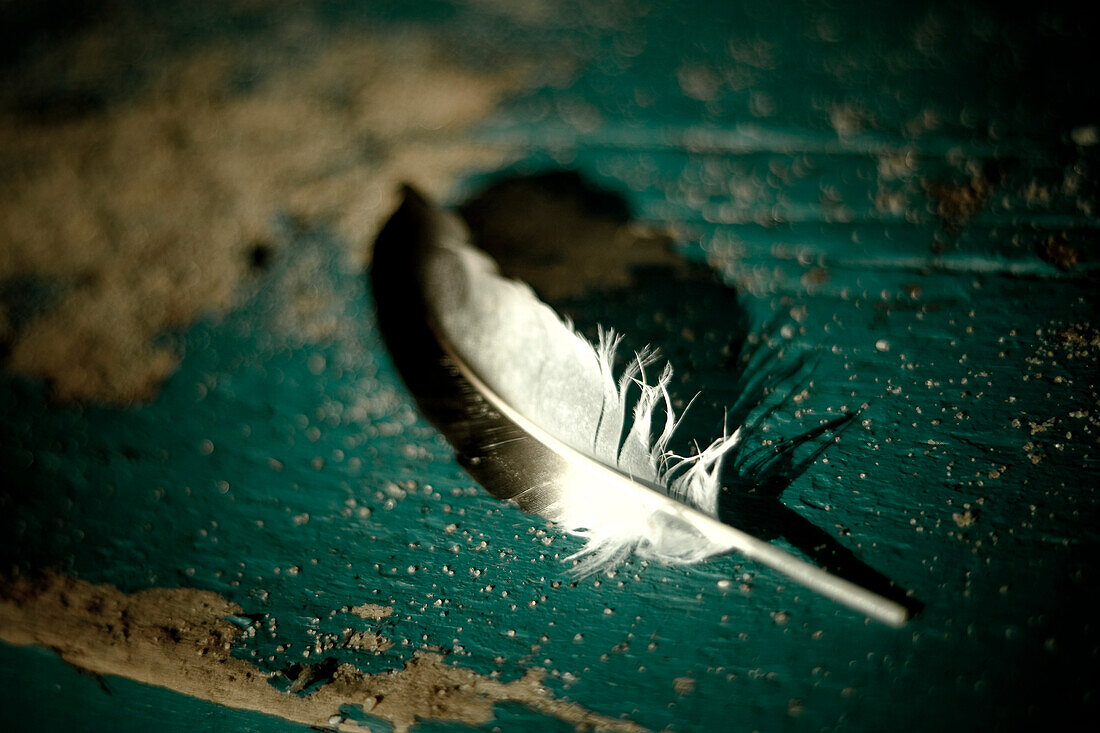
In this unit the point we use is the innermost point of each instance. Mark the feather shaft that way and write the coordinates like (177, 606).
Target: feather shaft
(440, 302)
(720, 533)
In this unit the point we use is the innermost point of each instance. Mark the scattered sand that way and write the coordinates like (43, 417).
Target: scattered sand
(1058, 252)
(683, 686)
(371, 611)
(957, 203)
(180, 639)
(366, 641)
(964, 519)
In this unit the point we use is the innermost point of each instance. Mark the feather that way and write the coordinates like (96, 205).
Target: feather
(538, 416)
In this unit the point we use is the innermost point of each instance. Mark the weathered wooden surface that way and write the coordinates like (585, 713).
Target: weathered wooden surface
(906, 194)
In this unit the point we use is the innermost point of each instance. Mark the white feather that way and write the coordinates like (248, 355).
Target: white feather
(575, 440)
(537, 364)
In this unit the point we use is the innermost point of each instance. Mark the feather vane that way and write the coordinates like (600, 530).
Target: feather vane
(539, 416)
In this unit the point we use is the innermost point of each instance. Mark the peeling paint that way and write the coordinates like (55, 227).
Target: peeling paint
(180, 639)
(137, 250)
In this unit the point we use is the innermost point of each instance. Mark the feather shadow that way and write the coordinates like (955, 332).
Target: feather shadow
(575, 245)
(756, 476)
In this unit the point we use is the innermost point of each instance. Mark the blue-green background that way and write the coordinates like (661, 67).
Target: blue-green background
(138, 498)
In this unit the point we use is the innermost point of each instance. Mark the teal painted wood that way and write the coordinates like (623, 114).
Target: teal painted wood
(800, 178)
(41, 692)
